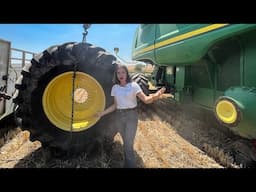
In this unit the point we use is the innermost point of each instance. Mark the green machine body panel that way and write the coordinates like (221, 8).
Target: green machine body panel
(245, 98)
(203, 62)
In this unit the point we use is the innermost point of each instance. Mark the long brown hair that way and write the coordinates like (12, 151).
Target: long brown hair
(115, 79)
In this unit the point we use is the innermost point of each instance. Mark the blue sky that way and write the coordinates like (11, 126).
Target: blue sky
(38, 37)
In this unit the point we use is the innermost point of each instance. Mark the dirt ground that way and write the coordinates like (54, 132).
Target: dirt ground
(168, 136)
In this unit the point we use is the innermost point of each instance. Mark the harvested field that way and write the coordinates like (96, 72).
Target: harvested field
(167, 137)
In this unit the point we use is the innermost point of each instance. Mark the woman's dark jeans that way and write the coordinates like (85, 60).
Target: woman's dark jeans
(127, 121)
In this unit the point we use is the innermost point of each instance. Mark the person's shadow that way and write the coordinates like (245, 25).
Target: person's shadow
(105, 155)
(115, 153)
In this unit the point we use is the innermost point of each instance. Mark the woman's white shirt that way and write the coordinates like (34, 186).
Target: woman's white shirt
(126, 96)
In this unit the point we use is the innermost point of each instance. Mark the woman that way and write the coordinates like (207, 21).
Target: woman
(125, 93)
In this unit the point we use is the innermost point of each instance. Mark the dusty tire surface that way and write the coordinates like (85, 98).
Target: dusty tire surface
(54, 61)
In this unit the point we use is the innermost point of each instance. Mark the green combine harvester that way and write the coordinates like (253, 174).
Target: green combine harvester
(211, 65)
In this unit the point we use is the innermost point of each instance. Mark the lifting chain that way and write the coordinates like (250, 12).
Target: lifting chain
(85, 26)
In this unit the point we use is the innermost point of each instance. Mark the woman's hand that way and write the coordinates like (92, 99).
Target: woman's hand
(110, 109)
(98, 114)
(159, 92)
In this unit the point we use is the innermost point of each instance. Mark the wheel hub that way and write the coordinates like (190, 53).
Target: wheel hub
(80, 95)
(226, 111)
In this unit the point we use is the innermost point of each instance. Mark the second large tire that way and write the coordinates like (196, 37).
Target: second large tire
(142, 81)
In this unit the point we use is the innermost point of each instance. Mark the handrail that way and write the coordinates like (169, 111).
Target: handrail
(23, 58)
(15, 49)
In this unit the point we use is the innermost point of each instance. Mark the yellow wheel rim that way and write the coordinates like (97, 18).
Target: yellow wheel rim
(89, 98)
(226, 111)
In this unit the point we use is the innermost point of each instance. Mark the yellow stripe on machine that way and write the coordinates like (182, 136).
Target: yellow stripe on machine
(180, 37)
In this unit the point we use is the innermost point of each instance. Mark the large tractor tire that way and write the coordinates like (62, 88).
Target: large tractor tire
(44, 90)
(142, 80)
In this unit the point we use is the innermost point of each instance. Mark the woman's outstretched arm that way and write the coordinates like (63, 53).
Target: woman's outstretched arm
(152, 97)
(110, 109)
